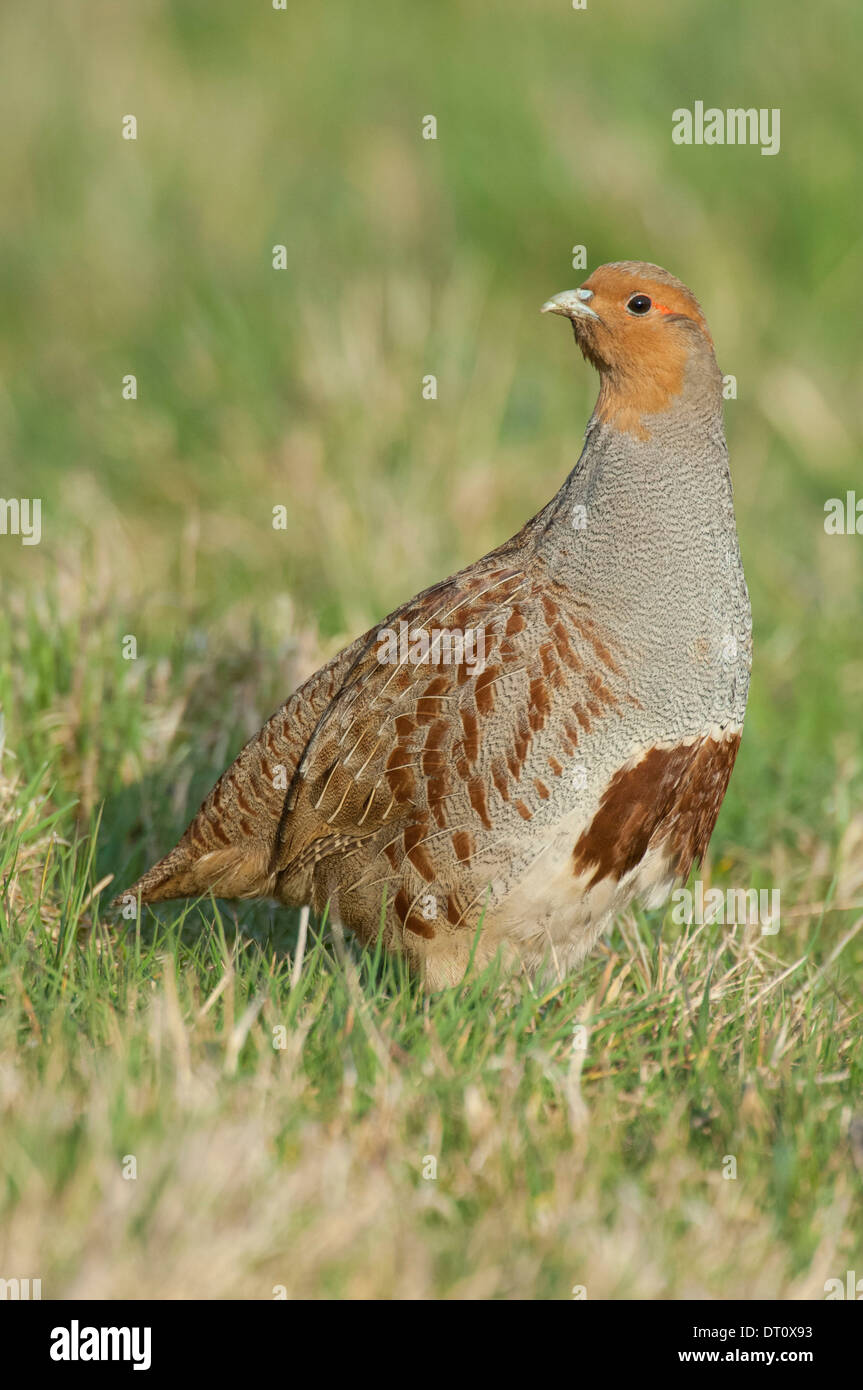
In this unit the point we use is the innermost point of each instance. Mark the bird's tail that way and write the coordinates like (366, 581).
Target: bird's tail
(229, 847)
(234, 872)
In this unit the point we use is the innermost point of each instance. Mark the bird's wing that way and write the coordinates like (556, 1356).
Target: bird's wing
(228, 846)
(424, 743)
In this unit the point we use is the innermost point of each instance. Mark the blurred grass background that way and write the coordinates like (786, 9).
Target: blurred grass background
(302, 387)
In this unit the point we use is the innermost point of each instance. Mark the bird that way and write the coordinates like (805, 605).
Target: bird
(525, 748)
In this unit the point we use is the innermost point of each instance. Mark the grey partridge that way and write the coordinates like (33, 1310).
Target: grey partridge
(523, 748)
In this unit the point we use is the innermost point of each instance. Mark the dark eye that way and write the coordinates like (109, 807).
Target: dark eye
(638, 304)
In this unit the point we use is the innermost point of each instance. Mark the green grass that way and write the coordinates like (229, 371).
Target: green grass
(282, 1119)
(302, 1166)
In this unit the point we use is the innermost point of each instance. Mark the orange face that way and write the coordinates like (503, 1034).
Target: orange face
(635, 310)
(638, 326)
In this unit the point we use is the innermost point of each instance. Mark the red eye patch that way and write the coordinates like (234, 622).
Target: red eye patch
(663, 308)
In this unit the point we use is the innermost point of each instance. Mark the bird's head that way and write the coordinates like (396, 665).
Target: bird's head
(645, 333)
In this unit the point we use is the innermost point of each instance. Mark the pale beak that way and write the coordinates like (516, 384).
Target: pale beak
(572, 303)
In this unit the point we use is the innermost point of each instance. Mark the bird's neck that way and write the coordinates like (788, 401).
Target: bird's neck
(635, 509)
(654, 463)
(642, 537)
